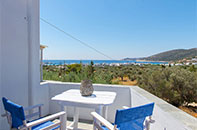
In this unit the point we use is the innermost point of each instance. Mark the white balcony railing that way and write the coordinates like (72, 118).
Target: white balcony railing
(165, 115)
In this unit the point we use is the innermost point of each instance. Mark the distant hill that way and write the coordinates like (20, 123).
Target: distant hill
(171, 55)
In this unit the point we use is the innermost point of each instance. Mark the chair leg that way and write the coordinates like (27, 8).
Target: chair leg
(99, 111)
(94, 127)
(63, 119)
(147, 125)
(148, 121)
(40, 111)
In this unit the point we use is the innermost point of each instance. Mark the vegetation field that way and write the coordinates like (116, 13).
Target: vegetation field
(174, 84)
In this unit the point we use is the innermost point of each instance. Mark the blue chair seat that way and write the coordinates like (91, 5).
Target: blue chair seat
(43, 125)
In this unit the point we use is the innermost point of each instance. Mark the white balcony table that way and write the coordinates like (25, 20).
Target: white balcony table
(99, 100)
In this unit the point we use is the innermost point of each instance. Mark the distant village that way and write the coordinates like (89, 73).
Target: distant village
(185, 61)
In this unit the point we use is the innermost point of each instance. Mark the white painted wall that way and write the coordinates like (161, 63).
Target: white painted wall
(44, 97)
(14, 52)
(19, 54)
(1, 106)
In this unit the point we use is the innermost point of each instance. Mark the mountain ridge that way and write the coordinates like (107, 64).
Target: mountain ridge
(171, 55)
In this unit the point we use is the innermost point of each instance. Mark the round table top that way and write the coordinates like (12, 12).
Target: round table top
(97, 98)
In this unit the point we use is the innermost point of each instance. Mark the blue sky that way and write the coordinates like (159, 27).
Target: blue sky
(118, 28)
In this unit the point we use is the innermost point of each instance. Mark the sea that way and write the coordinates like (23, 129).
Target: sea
(101, 62)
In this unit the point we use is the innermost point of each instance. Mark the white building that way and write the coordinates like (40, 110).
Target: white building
(20, 73)
(19, 52)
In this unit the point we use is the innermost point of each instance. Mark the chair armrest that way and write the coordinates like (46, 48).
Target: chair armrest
(31, 114)
(126, 107)
(48, 118)
(102, 120)
(32, 107)
(4, 115)
(150, 120)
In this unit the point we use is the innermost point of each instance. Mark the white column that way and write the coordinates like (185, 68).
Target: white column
(41, 64)
(33, 18)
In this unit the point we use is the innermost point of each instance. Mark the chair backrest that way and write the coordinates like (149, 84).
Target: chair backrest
(16, 111)
(133, 118)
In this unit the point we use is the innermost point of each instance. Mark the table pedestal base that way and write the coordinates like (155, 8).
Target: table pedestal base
(101, 110)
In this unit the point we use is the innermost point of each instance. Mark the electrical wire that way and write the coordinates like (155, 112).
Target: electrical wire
(77, 39)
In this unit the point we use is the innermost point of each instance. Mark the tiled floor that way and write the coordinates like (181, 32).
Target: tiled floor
(82, 124)
(86, 125)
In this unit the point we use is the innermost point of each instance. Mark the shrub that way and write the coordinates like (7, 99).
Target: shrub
(175, 84)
